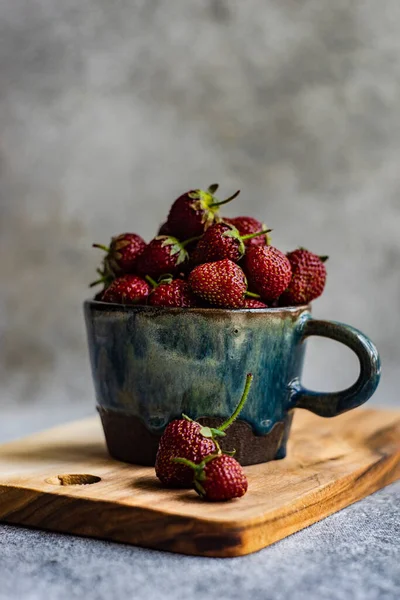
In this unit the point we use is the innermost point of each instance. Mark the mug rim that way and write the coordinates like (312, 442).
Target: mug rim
(144, 308)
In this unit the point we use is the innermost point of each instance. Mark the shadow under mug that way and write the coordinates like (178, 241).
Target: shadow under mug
(151, 364)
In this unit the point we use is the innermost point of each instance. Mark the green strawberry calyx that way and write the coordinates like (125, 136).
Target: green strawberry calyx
(110, 262)
(199, 469)
(107, 276)
(163, 279)
(206, 202)
(177, 247)
(233, 232)
(104, 279)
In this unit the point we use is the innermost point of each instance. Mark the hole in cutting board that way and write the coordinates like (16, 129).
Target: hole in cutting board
(73, 479)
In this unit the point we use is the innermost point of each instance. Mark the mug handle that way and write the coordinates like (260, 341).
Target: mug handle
(331, 404)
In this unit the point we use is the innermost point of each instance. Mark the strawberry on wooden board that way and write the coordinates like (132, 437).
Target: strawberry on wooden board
(220, 241)
(189, 440)
(217, 478)
(127, 289)
(122, 254)
(193, 212)
(164, 254)
(249, 225)
(172, 292)
(181, 438)
(220, 283)
(308, 278)
(268, 271)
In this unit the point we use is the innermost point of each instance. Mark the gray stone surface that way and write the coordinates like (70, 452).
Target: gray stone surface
(352, 555)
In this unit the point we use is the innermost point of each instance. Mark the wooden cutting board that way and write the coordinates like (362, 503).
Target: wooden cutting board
(62, 480)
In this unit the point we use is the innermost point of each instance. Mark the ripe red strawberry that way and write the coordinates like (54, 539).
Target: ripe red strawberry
(181, 438)
(254, 303)
(248, 226)
(217, 478)
(164, 254)
(220, 241)
(308, 278)
(164, 229)
(220, 283)
(193, 212)
(123, 253)
(268, 271)
(127, 289)
(173, 292)
(189, 440)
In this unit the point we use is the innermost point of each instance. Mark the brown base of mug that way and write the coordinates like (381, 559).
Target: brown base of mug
(130, 441)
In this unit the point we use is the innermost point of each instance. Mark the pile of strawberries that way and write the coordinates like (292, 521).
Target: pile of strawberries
(189, 456)
(200, 259)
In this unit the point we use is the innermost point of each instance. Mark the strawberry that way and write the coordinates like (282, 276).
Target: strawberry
(122, 254)
(193, 212)
(248, 226)
(220, 241)
(164, 254)
(254, 303)
(127, 289)
(217, 478)
(308, 278)
(181, 438)
(221, 283)
(189, 440)
(164, 229)
(172, 292)
(268, 271)
(99, 296)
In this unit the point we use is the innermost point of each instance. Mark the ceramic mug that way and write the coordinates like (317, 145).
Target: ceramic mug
(151, 364)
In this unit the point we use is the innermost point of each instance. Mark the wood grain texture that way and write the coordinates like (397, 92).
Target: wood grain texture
(331, 463)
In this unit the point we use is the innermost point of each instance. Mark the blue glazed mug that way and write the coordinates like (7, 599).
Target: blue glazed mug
(151, 364)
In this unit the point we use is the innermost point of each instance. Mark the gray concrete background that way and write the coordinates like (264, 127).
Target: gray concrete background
(108, 110)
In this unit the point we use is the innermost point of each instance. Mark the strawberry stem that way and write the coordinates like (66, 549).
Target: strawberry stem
(323, 258)
(190, 240)
(250, 236)
(102, 247)
(94, 283)
(165, 278)
(239, 407)
(151, 281)
(184, 461)
(208, 459)
(199, 488)
(213, 432)
(220, 203)
(252, 295)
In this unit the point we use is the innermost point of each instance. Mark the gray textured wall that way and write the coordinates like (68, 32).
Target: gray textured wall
(108, 110)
